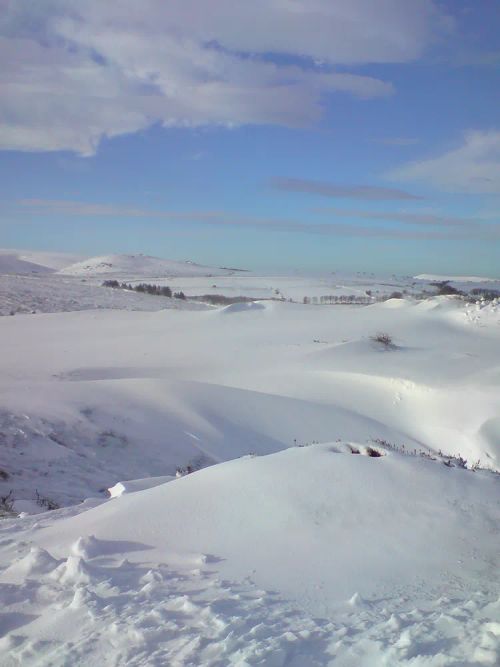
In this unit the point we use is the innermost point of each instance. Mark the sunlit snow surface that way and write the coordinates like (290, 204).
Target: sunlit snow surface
(286, 553)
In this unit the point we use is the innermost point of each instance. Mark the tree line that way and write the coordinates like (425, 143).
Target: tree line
(145, 288)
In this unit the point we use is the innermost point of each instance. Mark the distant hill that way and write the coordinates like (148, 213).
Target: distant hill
(33, 261)
(140, 265)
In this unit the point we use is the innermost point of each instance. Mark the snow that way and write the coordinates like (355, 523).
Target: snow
(98, 397)
(121, 488)
(50, 293)
(310, 556)
(330, 525)
(221, 500)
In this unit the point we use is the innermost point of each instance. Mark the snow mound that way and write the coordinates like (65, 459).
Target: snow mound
(392, 303)
(445, 303)
(86, 547)
(339, 512)
(138, 265)
(313, 556)
(36, 562)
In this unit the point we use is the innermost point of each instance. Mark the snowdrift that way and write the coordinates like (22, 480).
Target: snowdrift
(363, 525)
(315, 556)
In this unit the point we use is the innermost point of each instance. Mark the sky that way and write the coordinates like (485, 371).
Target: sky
(275, 134)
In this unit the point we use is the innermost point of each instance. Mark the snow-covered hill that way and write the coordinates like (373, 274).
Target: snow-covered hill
(32, 261)
(137, 266)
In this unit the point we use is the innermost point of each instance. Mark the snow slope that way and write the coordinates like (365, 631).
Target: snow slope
(138, 266)
(91, 398)
(312, 556)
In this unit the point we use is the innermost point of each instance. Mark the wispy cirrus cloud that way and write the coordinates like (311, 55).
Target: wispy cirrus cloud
(90, 209)
(75, 71)
(98, 211)
(471, 168)
(339, 191)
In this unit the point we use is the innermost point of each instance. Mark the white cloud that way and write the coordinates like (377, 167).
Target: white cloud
(77, 70)
(473, 167)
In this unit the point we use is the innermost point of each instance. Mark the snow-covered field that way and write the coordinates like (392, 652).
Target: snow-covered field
(329, 518)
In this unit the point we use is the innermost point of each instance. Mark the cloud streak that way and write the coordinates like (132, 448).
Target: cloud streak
(67, 208)
(338, 191)
(397, 141)
(405, 217)
(50, 207)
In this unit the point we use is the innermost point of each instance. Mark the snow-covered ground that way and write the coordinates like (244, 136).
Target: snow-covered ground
(287, 287)
(275, 550)
(52, 293)
(55, 292)
(312, 556)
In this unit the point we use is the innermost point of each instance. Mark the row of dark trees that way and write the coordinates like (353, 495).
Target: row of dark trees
(334, 298)
(145, 288)
(487, 294)
(443, 288)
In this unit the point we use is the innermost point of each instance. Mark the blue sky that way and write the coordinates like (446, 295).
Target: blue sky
(313, 134)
